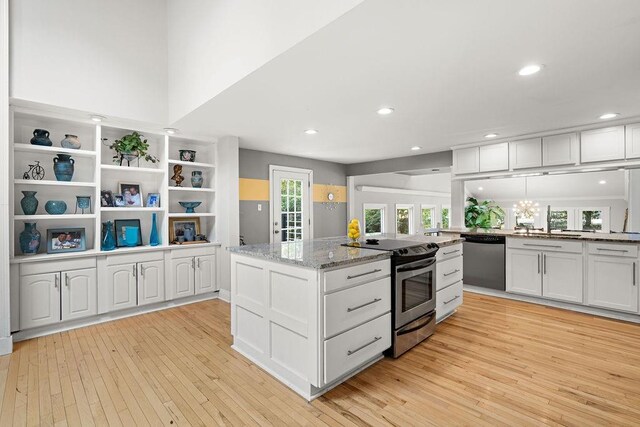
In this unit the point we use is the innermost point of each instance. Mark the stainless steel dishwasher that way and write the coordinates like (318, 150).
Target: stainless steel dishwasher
(484, 261)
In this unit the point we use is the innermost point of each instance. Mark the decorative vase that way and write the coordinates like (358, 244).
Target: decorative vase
(196, 179)
(63, 167)
(83, 202)
(70, 141)
(154, 239)
(354, 231)
(41, 137)
(29, 239)
(108, 239)
(130, 235)
(29, 202)
(189, 234)
(55, 207)
(187, 155)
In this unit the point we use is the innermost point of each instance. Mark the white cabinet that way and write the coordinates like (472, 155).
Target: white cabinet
(121, 282)
(183, 277)
(150, 282)
(562, 276)
(560, 150)
(524, 269)
(39, 300)
(448, 300)
(632, 141)
(466, 160)
(602, 144)
(526, 153)
(205, 274)
(613, 281)
(494, 157)
(79, 294)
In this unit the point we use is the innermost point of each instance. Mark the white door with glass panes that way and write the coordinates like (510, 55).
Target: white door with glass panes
(291, 209)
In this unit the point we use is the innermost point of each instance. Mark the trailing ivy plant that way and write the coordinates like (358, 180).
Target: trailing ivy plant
(482, 215)
(132, 144)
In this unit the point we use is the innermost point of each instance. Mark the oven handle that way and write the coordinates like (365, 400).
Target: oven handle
(415, 328)
(418, 267)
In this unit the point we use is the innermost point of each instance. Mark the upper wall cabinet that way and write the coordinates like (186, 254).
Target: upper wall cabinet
(526, 153)
(466, 160)
(633, 141)
(600, 145)
(558, 150)
(494, 157)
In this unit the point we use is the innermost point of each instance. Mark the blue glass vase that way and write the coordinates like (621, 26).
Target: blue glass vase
(108, 239)
(154, 239)
(29, 239)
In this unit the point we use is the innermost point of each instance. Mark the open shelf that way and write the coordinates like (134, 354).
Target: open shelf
(186, 215)
(195, 190)
(133, 209)
(46, 217)
(53, 183)
(28, 148)
(128, 169)
(192, 164)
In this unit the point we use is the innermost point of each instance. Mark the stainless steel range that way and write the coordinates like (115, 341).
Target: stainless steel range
(413, 290)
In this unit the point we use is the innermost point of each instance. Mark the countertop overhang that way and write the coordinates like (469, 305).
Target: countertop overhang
(594, 237)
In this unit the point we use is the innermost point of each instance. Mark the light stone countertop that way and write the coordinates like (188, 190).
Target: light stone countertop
(592, 237)
(328, 252)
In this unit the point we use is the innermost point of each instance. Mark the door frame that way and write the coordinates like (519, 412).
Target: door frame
(272, 188)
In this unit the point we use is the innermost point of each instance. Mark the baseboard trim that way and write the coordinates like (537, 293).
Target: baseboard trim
(627, 317)
(6, 345)
(224, 295)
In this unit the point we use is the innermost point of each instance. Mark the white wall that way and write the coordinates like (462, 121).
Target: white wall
(228, 206)
(215, 43)
(108, 57)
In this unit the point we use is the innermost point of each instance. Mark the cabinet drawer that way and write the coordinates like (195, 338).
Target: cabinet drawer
(448, 272)
(361, 273)
(627, 251)
(448, 300)
(350, 307)
(355, 347)
(449, 252)
(546, 245)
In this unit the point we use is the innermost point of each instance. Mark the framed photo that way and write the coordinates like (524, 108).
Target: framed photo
(121, 235)
(61, 240)
(106, 199)
(153, 200)
(132, 193)
(182, 229)
(118, 201)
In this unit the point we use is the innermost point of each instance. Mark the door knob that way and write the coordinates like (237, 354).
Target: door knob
(276, 231)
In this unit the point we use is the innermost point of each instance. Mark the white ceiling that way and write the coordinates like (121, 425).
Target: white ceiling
(449, 68)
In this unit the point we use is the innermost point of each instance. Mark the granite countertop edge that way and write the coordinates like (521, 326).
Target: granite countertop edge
(589, 237)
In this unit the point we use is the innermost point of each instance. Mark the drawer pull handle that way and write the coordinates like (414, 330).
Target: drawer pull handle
(634, 274)
(453, 272)
(541, 246)
(377, 270)
(451, 252)
(350, 309)
(613, 250)
(376, 339)
(452, 299)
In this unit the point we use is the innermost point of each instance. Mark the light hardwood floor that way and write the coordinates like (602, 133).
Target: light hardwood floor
(496, 362)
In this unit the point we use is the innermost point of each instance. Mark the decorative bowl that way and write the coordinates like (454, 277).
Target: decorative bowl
(55, 207)
(190, 206)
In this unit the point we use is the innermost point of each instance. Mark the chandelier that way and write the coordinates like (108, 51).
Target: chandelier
(526, 208)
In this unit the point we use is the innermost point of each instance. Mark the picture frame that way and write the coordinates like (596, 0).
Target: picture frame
(153, 200)
(118, 201)
(119, 225)
(66, 239)
(106, 199)
(177, 226)
(132, 193)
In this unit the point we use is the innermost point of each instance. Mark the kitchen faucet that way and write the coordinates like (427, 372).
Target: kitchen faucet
(548, 218)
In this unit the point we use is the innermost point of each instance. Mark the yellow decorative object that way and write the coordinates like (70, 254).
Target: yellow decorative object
(353, 230)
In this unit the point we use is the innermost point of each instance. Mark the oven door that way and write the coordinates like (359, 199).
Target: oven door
(415, 291)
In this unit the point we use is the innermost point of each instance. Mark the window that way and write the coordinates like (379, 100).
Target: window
(291, 209)
(428, 216)
(522, 221)
(445, 216)
(560, 219)
(594, 219)
(404, 219)
(373, 219)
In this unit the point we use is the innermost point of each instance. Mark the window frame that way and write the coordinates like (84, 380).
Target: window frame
(605, 213)
(411, 209)
(434, 218)
(383, 217)
(443, 207)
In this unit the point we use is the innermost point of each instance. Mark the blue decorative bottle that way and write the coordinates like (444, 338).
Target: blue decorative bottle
(154, 239)
(108, 240)
(29, 239)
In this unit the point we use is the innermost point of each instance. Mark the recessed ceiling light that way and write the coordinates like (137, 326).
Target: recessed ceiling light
(480, 188)
(311, 131)
(602, 182)
(171, 131)
(416, 148)
(385, 111)
(491, 135)
(97, 119)
(609, 116)
(530, 69)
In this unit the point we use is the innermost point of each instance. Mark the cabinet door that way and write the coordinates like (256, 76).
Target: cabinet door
(600, 145)
(633, 141)
(494, 157)
(150, 282)
(182, 277)
(121, 281)
(613, 283)
(205, 274)
(560, 150)
(562, 276)
(466, 160)
(39, 300)
(524, 272)
(79, 294)
(525, 154)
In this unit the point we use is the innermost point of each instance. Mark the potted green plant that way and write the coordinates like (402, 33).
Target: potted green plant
(482, 215)
(131, 147)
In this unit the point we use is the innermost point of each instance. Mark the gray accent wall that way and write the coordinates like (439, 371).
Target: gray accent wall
(255, 164)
